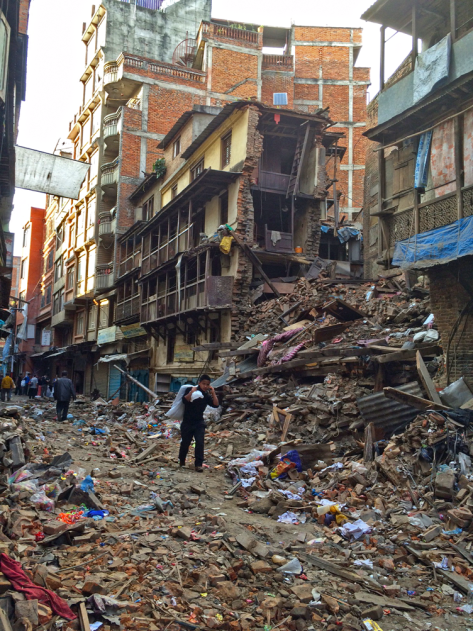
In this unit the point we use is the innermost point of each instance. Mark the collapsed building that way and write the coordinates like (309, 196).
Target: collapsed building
(238, 208)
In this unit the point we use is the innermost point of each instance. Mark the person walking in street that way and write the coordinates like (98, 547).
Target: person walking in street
(19, 379)
(33, 387)
(26, 384)
(7, 386)
(63, 392)
(195, 400)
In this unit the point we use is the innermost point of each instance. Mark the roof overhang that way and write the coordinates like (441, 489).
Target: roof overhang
(209, 183)
(397, 14)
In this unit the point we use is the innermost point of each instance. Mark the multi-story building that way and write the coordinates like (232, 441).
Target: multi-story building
(28, 304)
(13, 34)
(145, 68)
(419, 188)
(15, 282)
(258, 169)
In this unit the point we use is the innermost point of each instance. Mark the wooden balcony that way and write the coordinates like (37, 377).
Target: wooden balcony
(269, 181)
(283, 245)
(213, 292)
(130, 263)
(128, 308)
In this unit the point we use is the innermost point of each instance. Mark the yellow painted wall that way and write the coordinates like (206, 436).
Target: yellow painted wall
(211, 150)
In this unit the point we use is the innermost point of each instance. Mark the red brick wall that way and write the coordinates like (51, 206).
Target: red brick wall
(277, 82)
(230, 68)
(23, 17)
(35, 269)
(165, 106)
(130, 155)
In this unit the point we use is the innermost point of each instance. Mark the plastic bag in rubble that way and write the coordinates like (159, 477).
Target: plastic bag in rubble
(465, 463)
(355, 530)
(27, 485)
(20, 475)
(87, 484)
(293, 566)
(42, 501)
(212, 415)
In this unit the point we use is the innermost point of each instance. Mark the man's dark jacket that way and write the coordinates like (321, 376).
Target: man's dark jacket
(64, 389)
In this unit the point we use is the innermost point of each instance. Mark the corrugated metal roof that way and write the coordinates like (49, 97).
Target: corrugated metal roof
(387, 413)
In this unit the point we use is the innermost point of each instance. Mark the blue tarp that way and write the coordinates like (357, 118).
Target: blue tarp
(347, 233)
(422, 161)
(436, 246)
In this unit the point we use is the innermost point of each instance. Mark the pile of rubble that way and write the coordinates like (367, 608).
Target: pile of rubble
(337, 491)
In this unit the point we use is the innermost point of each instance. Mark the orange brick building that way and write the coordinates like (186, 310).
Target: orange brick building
(29, 297)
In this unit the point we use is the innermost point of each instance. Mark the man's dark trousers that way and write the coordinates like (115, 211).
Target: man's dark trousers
(62, 408)
(191, 431)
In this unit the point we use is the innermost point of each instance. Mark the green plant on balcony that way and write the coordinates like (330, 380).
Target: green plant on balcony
(159, 167)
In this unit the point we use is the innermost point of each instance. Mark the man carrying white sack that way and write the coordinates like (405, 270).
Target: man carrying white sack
(195, 400)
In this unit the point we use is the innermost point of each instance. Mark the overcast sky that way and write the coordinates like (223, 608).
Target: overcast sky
(56, 61)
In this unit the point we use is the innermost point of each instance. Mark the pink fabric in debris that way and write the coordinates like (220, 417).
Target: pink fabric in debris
(292, 353)
(267, 345)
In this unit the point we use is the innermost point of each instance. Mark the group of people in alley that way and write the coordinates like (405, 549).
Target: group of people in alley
(61, 389)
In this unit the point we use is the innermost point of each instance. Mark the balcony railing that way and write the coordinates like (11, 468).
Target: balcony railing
(433, 214)
(229, 32)
(273, 181)
(111, 123)
(177, 71)
(106, 224)
(284, 244)
(284, 62)
(127, 308)
(104, 276)
(110, 72)
(110, 173)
